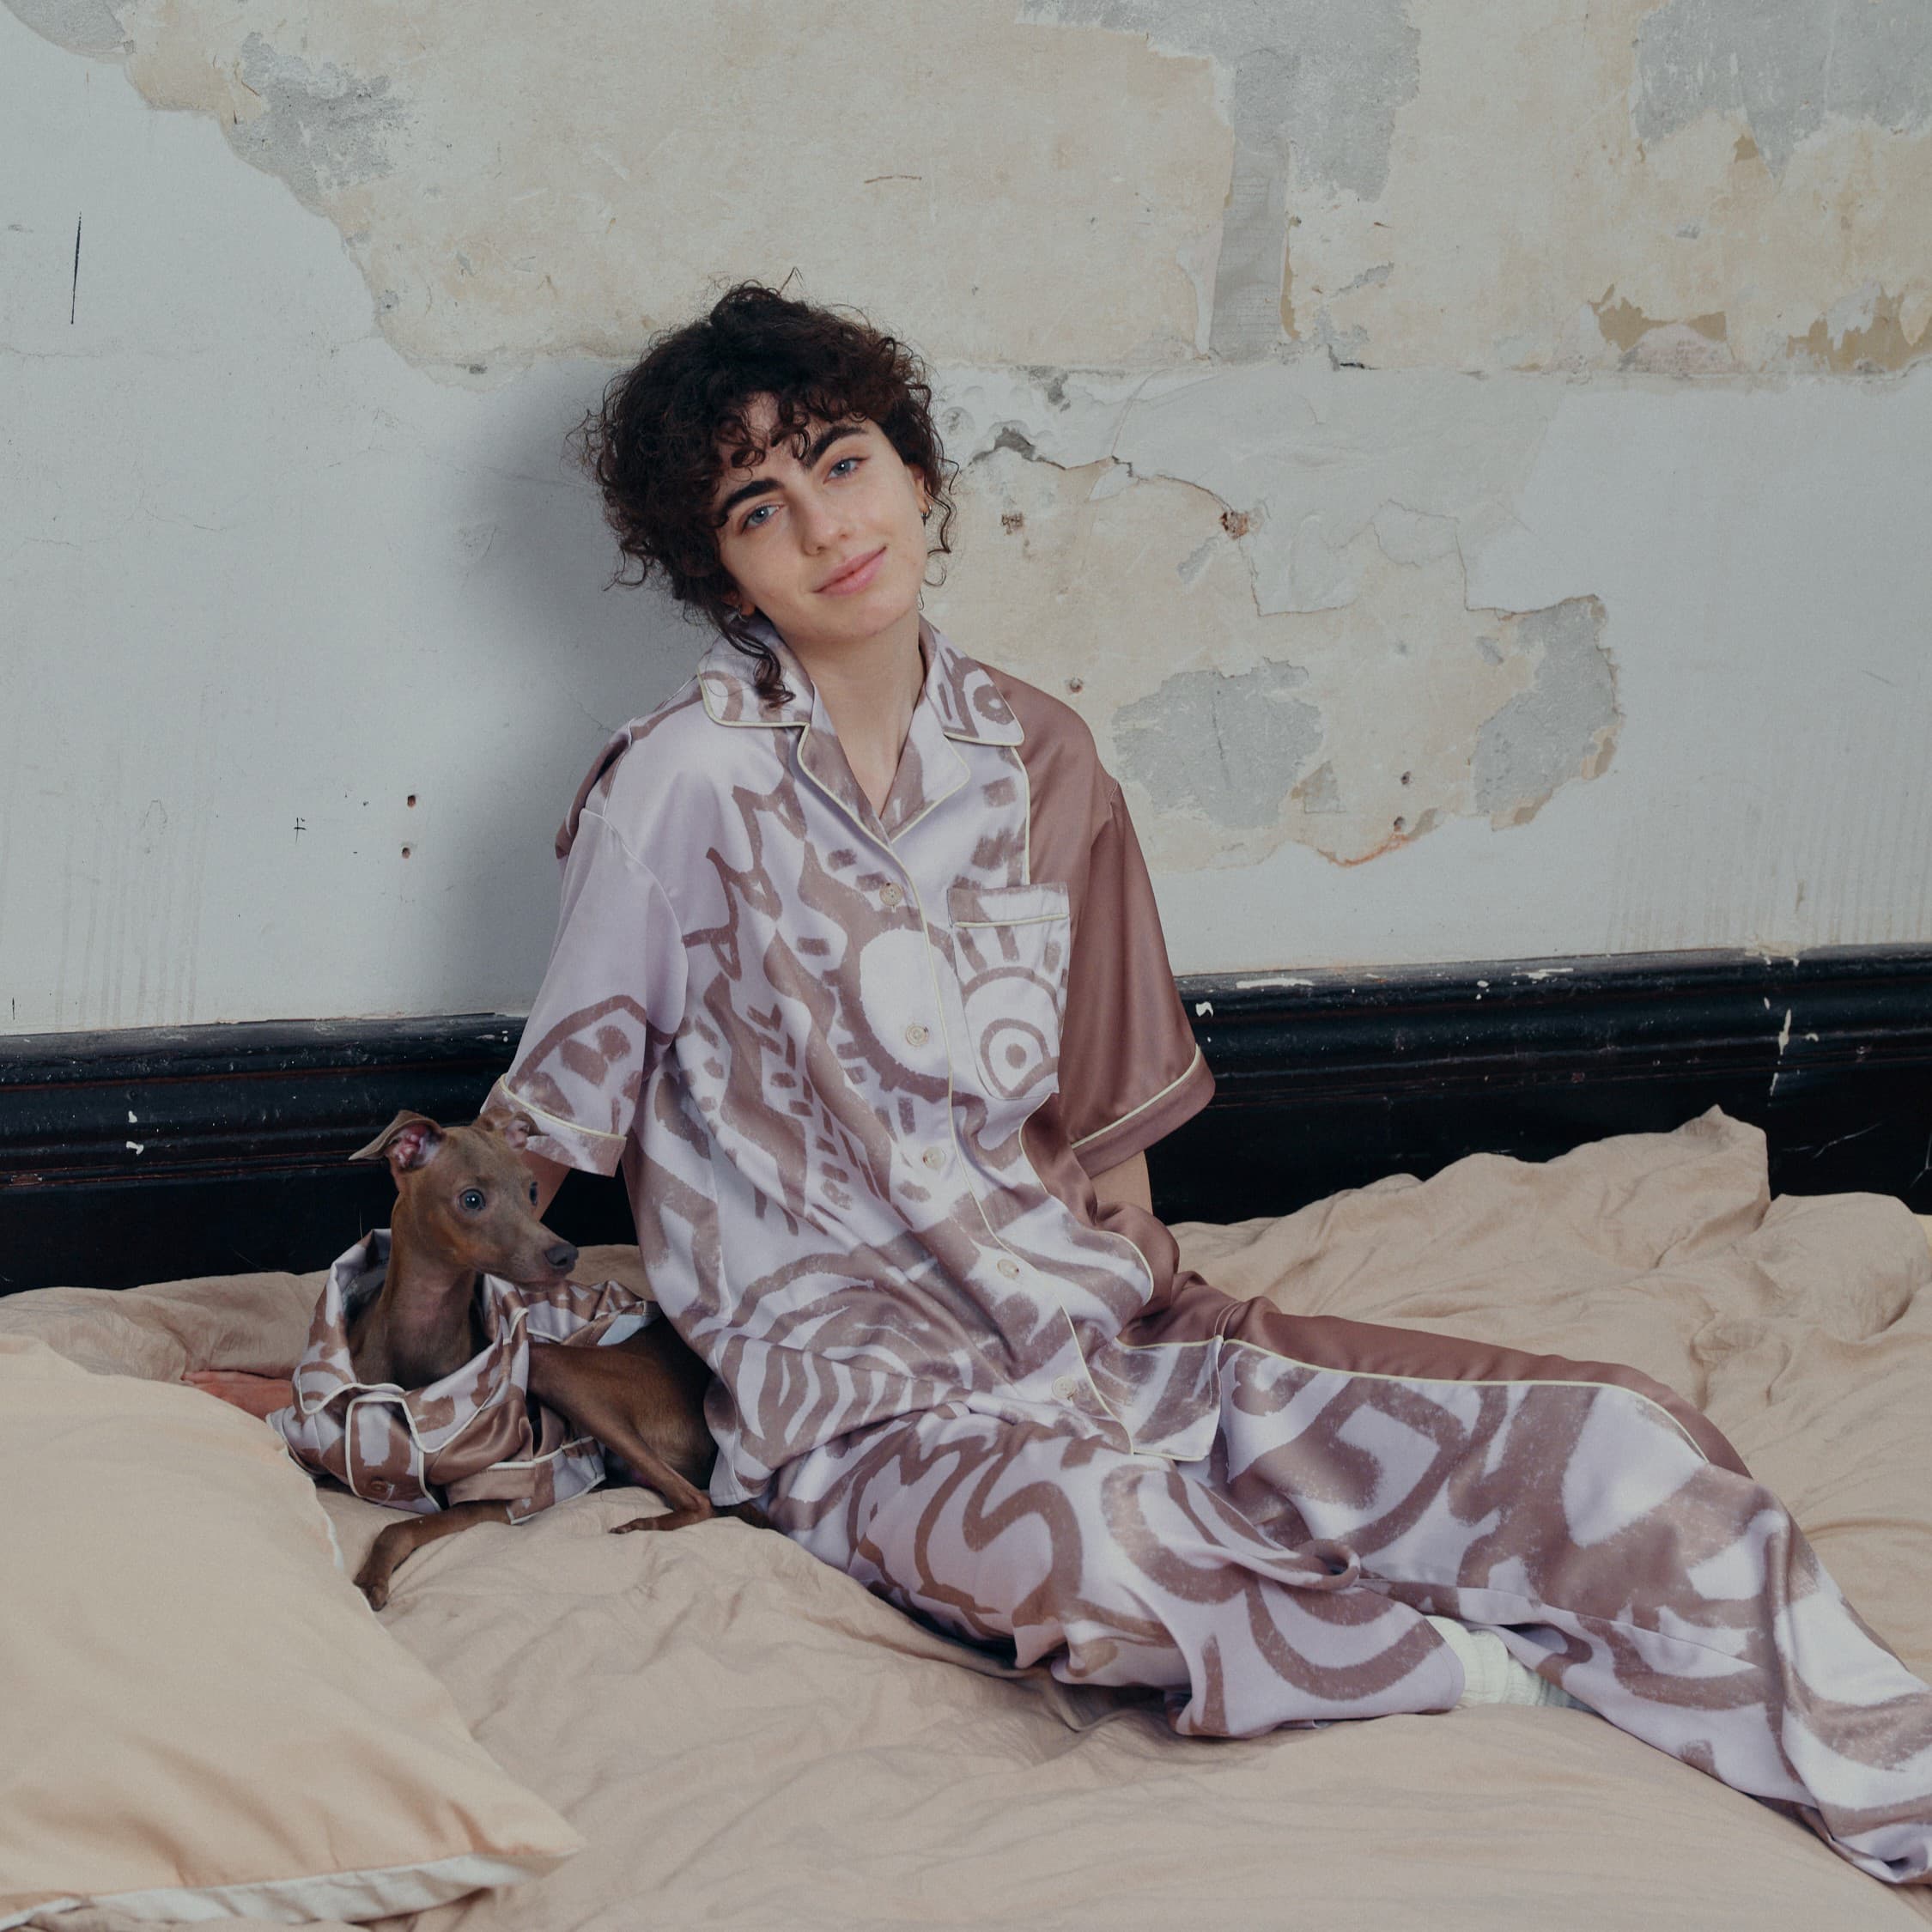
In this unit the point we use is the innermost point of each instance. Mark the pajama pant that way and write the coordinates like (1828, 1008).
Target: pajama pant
(1599, 1525)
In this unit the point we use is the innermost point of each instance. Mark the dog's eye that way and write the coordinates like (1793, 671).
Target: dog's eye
(472, 1198)
(533, 1194)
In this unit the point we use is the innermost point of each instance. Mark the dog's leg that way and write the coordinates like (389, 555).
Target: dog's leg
(672, 1519)
(689, 1503)
(401, 1541)
(612, 1395)
(682, 1519)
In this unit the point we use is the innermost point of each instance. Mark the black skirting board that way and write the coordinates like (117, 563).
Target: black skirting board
(148, 1154)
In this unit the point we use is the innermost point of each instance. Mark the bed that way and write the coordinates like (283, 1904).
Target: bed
(743, 1737)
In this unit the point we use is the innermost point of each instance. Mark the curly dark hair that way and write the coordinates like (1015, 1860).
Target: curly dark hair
(659, 443)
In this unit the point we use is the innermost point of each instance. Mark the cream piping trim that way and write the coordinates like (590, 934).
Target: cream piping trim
(1154, 1102)
(556, 1119)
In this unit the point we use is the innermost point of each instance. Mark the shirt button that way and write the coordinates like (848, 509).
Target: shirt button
(1008, 1266)
(1066, 1388)
(890, 895)
(934, 1158)
(916, 1035)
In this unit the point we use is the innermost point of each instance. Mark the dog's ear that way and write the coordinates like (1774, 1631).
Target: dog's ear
(516, 1129)
(410, 1140)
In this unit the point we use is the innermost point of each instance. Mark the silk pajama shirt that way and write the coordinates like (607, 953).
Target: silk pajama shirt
(858, 1068)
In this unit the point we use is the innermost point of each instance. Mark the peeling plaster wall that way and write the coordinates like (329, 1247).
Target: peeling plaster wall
(1466, 462)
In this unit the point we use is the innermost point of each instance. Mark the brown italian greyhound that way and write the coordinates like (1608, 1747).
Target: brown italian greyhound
(465, 1206)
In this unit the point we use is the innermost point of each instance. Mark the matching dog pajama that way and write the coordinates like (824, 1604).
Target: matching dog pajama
(858, 1068)
(472, 1437)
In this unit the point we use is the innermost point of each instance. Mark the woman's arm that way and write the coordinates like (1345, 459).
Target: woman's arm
(1126, 1183)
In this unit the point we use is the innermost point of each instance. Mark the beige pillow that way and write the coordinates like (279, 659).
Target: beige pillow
(199, 1716)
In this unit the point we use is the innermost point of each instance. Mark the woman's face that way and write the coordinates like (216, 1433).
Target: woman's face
(829, 545)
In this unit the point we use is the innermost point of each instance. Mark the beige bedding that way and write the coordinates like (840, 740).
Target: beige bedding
(748, 1738)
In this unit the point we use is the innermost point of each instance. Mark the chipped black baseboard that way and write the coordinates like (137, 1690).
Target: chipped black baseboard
(140, 1156)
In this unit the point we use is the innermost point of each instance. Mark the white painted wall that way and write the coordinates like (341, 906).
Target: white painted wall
(262, 568)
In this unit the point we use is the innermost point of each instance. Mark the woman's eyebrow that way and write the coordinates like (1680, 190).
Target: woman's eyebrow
(825, 438)
(819, 444)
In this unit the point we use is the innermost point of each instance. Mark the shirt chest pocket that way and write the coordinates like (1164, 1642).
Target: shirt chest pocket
(1010, 946)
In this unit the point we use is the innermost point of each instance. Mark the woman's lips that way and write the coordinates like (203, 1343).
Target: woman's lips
(854, 576)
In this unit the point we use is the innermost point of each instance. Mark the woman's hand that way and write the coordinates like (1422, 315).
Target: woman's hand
(260, 1395)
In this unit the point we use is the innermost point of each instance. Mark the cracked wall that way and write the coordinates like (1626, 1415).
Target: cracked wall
(1450, 454)
(1398, 183)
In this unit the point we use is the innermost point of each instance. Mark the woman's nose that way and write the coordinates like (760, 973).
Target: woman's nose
(821, 521)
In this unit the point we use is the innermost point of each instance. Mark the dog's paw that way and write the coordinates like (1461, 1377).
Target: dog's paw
(641, 1522)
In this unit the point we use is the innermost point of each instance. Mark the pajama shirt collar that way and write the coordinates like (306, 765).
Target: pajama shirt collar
(966, 702)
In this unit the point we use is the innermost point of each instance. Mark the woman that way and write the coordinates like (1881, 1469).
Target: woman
(859, 980)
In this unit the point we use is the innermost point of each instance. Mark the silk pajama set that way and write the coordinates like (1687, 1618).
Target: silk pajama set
(858, 1068)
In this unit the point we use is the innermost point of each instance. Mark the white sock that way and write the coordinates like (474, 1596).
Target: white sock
(1490, 1673)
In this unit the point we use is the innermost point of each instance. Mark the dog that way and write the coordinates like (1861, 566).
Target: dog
(464, 1245)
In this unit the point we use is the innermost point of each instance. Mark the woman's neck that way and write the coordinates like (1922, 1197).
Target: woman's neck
(870, 689)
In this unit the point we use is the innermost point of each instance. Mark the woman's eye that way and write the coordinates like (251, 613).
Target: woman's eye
(842, 463)
(472, 1198)
(755, 519)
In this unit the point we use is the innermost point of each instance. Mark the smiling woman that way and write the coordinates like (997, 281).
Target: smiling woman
(828, 542)
(699, 424)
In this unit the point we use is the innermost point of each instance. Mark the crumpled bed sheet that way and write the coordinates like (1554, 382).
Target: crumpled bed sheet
(748, 1738)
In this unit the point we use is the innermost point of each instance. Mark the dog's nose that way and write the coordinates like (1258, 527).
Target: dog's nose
(563, 1257)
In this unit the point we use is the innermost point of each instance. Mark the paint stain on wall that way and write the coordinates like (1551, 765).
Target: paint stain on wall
(1786, 66)
(321, 127)
(1871, 333)
(1563, 727)
(1229, 747)
(1310, 89)
(1697, 345)
(87, 27)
